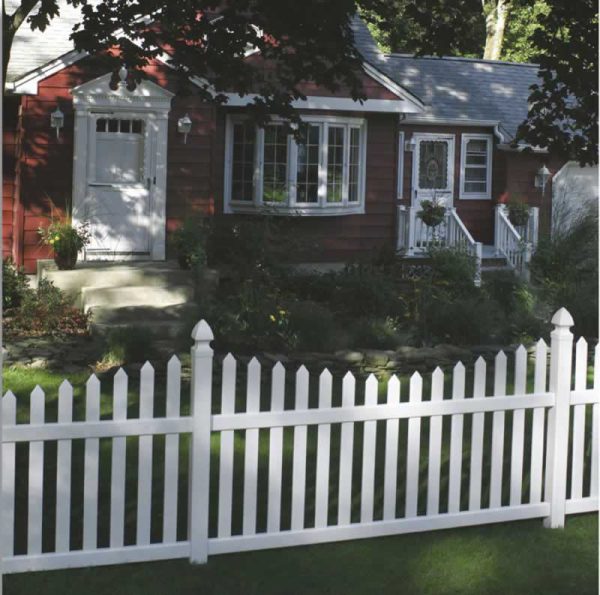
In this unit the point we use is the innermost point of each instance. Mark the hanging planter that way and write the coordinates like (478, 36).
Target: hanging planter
(66, 240)
(432, 213)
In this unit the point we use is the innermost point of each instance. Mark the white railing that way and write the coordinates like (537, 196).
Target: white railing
(516, 244)
(108, 510)
(458, 236)
(415, 237)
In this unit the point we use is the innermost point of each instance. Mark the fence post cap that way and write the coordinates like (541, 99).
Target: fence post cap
(202, 332)
(562, 318)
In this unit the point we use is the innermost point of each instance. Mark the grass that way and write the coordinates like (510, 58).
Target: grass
(511, 558)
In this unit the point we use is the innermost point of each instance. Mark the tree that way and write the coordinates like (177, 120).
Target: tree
(296, 42)
(523, 21)
(496, 15)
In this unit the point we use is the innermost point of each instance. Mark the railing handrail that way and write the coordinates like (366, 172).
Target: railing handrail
(509, 225)
(462, 226)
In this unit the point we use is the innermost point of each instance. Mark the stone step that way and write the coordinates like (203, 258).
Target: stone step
(143, 295)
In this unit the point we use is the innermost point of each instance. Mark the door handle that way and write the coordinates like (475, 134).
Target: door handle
(148, 183)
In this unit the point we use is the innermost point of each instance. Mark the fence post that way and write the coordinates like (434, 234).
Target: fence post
(561, 356)
(199, 469)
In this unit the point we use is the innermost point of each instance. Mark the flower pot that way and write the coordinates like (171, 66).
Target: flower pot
(65, 262)
(518, 218)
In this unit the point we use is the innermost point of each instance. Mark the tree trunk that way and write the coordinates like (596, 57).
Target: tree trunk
(496, 14)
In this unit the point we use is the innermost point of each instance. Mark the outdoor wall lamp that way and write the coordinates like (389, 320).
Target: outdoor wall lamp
(57, 120)
(410, 144)
(541, 178)
(184, 125)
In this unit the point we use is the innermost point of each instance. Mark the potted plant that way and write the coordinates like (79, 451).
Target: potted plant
(518, 213)
(432, 212)
(189, 242)
(66, 240)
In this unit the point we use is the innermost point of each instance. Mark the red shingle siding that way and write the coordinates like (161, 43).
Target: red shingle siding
(9, 166)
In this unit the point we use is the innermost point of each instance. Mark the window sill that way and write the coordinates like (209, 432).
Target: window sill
(295, 211)
(474, 197)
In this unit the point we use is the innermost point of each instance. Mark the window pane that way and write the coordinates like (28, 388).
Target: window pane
(307, 178)
(479, 187)
(433, 164)
(275, 164)
(477, 146)
(354, 165)
(476, 159)
(335, 163)
(242, 170)
(473, 174)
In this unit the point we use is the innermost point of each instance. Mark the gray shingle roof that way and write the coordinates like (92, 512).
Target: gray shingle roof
(456, 88)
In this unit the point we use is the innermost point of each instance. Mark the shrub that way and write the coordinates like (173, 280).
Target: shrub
(375, 333)
(565, 270)
(15, 285)
(518, 212)
(452, 270)
(189, 241)
(47, 311)
(127, 344)
(312, 327)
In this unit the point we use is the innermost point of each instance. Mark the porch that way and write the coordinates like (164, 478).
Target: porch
(512, 247)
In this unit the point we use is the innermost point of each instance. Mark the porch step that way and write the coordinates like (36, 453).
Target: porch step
(148, 296)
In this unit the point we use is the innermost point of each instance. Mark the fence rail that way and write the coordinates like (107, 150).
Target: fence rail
(326, 460)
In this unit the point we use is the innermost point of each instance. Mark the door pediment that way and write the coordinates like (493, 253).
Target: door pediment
(98, 93)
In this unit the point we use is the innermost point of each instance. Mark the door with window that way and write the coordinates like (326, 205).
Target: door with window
(120, 181)
(433, 169)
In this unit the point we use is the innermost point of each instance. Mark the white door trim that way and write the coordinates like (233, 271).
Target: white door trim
(451, 140)
(148, 101)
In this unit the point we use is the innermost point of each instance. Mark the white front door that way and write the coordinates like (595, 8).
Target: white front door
(433, 169)
(120, 184)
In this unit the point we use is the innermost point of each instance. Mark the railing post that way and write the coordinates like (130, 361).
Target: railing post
(497, 230)
(199, 468)
(411, 231)
(401, 229)
(478, 258)
(561, 355)
(534, 226)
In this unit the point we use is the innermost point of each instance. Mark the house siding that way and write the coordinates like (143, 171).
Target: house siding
(10, 144)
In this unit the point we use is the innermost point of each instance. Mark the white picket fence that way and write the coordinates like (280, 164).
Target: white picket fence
(370, 466)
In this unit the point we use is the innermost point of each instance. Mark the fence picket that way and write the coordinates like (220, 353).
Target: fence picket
(368, 461)
(91, 467)
(227, 448)
(413, 448)
(477, 438)
(346, 454)
(537, 428)
(595, 423)
(7, 480)
(171, 486)
(117, 483)
(299, 464)
(456, 440)
(435, 445)
(275, 451)
(36, 476)
(498, 433)
(518, 429)
(323, 453)
(251, 453)
(144, 488)
(581, 354)
(63, 471)
(390, 480)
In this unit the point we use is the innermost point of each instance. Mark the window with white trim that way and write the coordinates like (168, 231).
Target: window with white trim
(323, 175)
(476, 166)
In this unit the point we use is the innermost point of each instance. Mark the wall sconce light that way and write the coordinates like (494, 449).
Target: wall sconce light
(541, 178)
(410, 144)
(184, 125)
(57, 120)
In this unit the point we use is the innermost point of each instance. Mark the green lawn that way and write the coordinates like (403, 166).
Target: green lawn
(509, 559)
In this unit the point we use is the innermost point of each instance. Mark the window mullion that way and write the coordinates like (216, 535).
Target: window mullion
(292, 170)
(258, 182)
(323, 165)
(345, 166)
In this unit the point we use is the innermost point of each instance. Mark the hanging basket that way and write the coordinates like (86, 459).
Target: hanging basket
(431, 213)
(65, 261)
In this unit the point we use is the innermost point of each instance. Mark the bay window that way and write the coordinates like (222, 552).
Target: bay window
(322, 175)
(476, 166)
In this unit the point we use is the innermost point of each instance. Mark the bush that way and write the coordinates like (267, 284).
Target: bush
(127, 344)
(375, 333)
(312, 327)
(189, 241)
(46, 311)
(15, 285)
(452, 270)
(565, 270)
